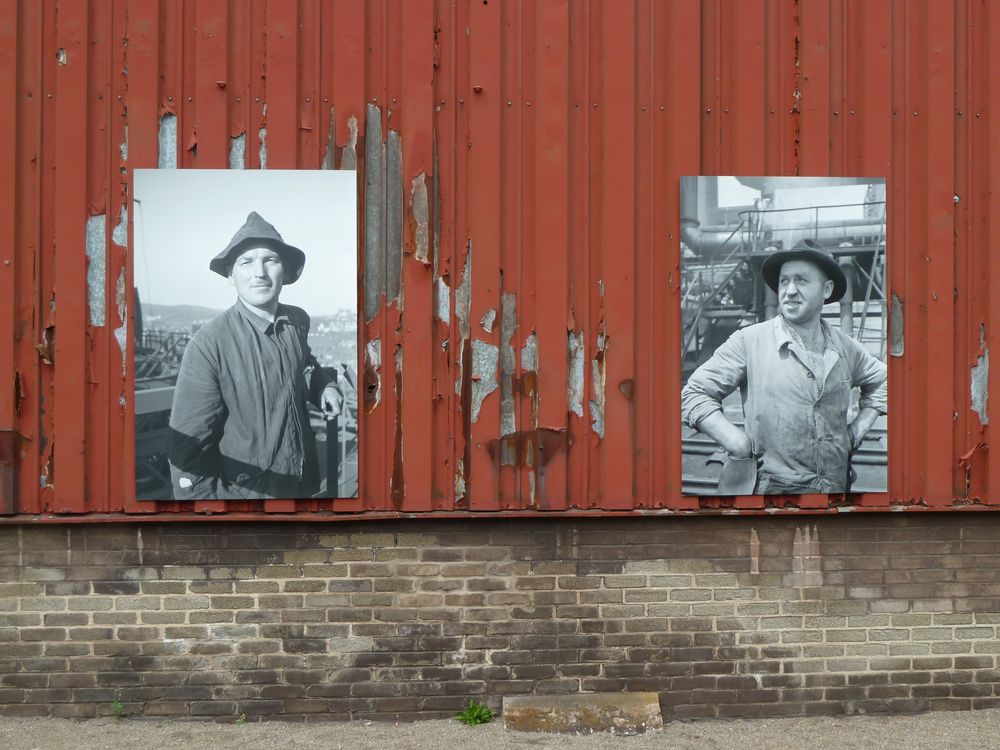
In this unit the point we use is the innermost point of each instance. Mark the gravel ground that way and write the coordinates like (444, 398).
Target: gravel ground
(933, 731)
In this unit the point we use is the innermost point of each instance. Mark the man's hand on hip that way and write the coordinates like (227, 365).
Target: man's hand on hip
(734, 440)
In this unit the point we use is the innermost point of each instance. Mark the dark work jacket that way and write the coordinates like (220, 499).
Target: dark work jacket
(239, 427)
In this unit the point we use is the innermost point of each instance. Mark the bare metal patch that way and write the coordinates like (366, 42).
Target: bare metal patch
(96, 268)
(443, 300)
(574, 384)
(489, 317)
(508, 363)
(119, 234)
(374, 273)
(529, 353)
(167, 140)
(981, 380)
(237, 151)
(485, 357)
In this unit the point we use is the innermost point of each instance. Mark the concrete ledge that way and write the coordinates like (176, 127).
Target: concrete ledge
(583, 713)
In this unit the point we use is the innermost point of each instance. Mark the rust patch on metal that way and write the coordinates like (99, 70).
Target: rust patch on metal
(396, 488)
(331, 141)
(419, 219)
(627, 387)
(18, 391)
(896, 327)
(372, 381)
(349, 153)
(47, 349)
(530, 448)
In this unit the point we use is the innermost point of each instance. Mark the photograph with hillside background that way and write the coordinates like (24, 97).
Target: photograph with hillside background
(246, 334)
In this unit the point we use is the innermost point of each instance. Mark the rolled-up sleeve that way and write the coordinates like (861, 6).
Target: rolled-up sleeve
(871, 376)
(722, 374)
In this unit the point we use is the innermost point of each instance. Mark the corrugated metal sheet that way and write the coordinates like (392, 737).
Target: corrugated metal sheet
(519, 164)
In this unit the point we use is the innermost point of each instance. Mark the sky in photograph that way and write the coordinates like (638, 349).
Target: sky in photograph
(184, 217)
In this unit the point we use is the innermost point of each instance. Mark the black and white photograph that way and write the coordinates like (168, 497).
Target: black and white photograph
(784, 340)
(246, 334)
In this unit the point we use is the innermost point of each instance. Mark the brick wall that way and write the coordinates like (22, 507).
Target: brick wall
(723, 616)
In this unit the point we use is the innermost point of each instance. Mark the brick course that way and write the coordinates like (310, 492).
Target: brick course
(724, 617)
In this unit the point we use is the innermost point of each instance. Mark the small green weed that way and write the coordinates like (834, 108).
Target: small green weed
(118, 708)
(242, 718)
(476, 713)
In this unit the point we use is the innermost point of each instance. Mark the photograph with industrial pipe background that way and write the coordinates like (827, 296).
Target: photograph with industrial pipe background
(785, 340)
(246, 334)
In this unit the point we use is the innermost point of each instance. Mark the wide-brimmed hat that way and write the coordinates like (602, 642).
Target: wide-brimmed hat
(256, 232)
(813, 252)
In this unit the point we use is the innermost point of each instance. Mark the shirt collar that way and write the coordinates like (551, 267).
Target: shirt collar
(783, 335)
(262, 324)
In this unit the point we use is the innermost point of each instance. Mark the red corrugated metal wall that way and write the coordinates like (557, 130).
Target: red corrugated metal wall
(550, 137)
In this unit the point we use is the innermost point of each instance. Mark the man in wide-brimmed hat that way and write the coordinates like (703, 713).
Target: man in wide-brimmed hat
(239, 427)
(795, 375)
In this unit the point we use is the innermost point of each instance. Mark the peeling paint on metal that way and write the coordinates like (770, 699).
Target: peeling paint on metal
(443, 311)
(485, 357)
(529, 353)
(373, 380)
(97, 242)
(419, 215)
(119, 234)
(598, 373)
(123, 146)
(574, 384)
(981, 380)
(349, 156)
(460, 480)
(121, 332)
(237, 151)
(374, 271)
(489, 317)
(896, 327)
(393, 217)
(167, 140)
(463, 297)
(262, 137)
(436, 198)
(61, 57)
(508, 363)
(331, 141)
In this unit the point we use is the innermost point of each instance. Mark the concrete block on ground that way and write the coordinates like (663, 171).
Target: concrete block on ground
(583, 713)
